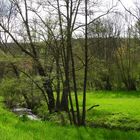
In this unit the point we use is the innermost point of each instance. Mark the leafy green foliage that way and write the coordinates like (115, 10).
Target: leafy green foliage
(20, 92)
(11, 92)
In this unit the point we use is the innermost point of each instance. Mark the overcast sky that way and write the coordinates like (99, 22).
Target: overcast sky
(128, 3)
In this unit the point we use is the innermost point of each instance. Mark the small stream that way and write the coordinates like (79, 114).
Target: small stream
(25, 111)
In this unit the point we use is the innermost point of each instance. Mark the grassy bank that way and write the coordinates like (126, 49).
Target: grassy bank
(116, 109)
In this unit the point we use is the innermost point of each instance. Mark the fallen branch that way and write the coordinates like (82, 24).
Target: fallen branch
(92, 107)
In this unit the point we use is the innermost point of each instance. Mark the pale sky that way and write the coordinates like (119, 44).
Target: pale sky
(128, 3)
(101, 8)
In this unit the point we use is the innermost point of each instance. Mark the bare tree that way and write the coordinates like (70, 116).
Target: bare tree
(31, 51)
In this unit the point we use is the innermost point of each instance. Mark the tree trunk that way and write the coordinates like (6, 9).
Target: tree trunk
(47, 86)
(85, 68)
(108, 85)
(64, 100)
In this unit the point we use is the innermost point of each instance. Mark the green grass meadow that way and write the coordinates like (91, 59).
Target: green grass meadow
(118, 111)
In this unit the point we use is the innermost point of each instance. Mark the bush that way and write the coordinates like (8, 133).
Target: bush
(20, 92)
